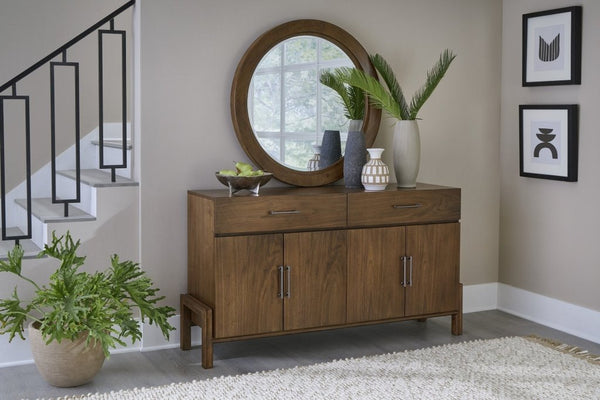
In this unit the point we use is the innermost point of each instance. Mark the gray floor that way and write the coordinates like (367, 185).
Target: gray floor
(126, 371)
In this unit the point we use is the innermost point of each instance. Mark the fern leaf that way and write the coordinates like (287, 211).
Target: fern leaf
(377, 93)
(434, 76)
(386, 72)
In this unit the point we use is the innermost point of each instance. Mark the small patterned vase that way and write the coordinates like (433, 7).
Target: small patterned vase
(375, 174)
(313, 163)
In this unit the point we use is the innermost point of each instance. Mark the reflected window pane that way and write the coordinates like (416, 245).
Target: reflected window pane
(298, 152)
(272, 58)
(330, 51)
(266, 102)
(302, 49)
(300, 89)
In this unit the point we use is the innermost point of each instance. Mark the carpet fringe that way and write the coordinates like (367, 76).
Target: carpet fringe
(565, 348)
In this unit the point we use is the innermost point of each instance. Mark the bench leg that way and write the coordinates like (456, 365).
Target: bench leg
(194, 311)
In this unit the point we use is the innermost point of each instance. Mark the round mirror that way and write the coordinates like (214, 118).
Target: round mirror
(280, 110)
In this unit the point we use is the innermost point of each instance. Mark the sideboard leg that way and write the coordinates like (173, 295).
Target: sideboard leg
(185, 334)
(457, 319)
(193, 310)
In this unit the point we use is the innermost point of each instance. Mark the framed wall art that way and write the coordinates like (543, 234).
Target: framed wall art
(552, 47)
(548, 137)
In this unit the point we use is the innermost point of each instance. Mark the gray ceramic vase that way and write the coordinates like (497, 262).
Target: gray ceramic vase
(355, 158)
(331, 149)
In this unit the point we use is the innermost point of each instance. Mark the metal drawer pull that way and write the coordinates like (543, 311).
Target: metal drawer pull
(272, 212)
(280, 293)
(399, 206)
(410, 259)
(403, 283)
(289, 281)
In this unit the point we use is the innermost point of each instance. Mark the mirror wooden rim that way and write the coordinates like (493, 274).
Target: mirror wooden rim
(241, 84)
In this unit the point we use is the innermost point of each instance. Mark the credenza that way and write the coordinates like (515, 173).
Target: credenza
(292, 260)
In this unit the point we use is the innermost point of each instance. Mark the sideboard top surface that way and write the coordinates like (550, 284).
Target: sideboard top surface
(308, 191)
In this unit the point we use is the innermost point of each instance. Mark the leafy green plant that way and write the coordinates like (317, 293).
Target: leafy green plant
(101, 304)
(353, 97)
(392, 100)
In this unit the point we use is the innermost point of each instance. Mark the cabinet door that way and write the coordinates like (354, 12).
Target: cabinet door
(317, 279)
(375, 274)
(247, 283)
(435, 268)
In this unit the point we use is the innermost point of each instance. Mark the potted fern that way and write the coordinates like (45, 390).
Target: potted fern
(406, 145)
(353, 100)
(77, 317)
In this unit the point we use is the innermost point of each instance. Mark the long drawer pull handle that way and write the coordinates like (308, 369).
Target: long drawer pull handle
(403, 283)
(273, 212)
(399, 206)
(410, 263)
(280, 293)
(289, 281)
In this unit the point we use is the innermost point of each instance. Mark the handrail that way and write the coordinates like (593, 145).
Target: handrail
(64, 47)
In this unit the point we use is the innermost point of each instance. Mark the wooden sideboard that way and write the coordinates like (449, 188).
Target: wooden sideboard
(302, 259)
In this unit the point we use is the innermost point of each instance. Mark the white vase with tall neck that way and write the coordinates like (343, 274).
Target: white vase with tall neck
(407, 153)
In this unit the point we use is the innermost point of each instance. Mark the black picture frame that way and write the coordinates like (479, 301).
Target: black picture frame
(549, 141)
(552, 47)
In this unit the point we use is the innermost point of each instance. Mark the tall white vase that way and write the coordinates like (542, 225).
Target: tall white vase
(407, 153)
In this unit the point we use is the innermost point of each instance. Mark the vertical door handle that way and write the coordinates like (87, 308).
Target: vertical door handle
(403, 283)
(280, 293)
(288, 270)
(410, 264)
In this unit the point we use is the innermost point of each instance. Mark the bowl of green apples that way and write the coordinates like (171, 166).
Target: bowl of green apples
(243, 177)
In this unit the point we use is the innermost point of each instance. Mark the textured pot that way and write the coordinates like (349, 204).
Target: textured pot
(355, 157)
(331, 148)
(407, 153)
(68, 363)
(375, 173)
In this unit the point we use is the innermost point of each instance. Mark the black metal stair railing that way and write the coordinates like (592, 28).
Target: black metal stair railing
(54, 65)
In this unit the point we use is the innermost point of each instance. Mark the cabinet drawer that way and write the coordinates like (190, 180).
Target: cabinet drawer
(279, 213)
(392, 207)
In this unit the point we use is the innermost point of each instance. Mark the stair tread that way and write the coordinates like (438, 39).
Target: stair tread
(98, 178)
(30, 249)
(115, 143)
(47, 212)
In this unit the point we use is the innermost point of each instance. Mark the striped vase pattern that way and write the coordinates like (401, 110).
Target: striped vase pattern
(375, 174)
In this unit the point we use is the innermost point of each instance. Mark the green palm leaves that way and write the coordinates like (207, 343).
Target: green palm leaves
(392, 100)
(352, 97)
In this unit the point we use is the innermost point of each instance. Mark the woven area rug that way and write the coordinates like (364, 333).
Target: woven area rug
(507, 368)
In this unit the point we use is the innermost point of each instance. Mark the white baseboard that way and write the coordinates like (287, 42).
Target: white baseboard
(480, 297)
(576, 320)
(570, 318)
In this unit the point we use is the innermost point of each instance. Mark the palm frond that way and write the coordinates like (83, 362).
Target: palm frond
(434, 76)
(352, 98)
(386, 72)
(377, 93)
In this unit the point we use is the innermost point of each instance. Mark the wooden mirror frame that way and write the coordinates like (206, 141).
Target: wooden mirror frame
(241, 84)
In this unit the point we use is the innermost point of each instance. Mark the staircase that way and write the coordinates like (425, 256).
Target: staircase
(94, 171)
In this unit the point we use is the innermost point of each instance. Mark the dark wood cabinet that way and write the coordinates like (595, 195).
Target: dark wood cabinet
(302, 259)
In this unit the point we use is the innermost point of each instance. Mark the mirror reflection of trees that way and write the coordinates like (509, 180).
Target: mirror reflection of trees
(288, 107)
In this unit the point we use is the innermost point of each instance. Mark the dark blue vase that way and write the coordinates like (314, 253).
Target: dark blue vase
(355, 158)
(331, 149)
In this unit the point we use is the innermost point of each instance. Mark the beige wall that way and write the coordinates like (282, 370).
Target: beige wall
(549, 229)
(189, 52)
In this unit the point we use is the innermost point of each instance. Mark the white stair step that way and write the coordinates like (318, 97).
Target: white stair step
(30, 249)
(48, 212)
(114, 143)
(98, 178)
